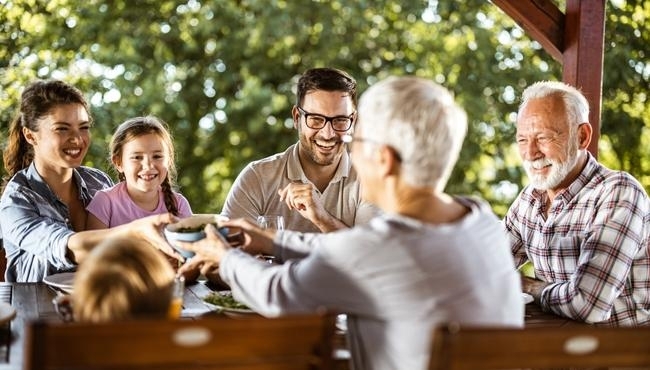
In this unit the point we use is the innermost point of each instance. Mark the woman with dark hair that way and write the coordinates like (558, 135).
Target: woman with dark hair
(46, 190)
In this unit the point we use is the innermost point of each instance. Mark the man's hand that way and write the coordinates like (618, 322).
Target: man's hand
(304, 199)
(533, 287)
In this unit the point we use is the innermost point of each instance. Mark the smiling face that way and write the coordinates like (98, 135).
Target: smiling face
(144, 162)
(62, 140)
(322, 147)
(550, 150)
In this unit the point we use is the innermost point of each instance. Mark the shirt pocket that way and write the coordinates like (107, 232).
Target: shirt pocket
(564, 254)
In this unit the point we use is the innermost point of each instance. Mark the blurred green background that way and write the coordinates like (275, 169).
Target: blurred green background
(222, 73)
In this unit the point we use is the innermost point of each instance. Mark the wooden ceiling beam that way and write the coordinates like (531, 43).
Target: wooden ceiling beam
(541, 19)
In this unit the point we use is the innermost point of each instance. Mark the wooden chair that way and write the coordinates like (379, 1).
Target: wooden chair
(455, 347)
(255, 343)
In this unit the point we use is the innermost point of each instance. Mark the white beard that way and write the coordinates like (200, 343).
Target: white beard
(558, 171)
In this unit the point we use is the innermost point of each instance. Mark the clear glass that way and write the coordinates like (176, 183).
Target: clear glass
(271, 222)
(178, 290)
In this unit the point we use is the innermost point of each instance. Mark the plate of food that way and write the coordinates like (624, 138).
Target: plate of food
(224, 302)
(62, 281)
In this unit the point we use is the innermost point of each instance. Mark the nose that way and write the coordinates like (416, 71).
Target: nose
(529, 150)
(147, 162)
(328, 130)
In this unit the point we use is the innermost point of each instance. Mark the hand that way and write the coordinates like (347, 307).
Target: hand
(303, 198)
(209, 249)
(256, 240)
(533, 287)
(150, 229)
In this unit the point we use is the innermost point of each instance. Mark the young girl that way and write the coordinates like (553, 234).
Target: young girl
(42, 210)
(142, 152)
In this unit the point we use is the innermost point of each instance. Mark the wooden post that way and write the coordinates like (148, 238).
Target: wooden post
(584, 39)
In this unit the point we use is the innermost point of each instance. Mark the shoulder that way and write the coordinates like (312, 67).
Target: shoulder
(94, 176)
(274, 161)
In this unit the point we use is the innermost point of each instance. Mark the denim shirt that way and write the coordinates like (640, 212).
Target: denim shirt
(35, 225)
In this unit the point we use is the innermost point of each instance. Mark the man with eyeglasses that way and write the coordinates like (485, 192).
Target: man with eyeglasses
(311, 184)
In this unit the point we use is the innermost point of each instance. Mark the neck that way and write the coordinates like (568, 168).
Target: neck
(58, 179)
(146, 200)
(421, 203)
(319, 175)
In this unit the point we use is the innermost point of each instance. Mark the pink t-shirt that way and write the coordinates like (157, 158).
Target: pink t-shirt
(114, 207)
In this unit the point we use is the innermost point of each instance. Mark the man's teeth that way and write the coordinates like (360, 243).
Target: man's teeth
(327, 144)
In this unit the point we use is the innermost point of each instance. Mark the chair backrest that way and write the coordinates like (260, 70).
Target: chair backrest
(293, 342)
(455, 347)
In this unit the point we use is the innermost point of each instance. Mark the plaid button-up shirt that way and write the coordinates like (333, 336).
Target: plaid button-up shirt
(593, 247)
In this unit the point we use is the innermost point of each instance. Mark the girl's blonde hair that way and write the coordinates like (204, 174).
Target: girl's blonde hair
(122, 279)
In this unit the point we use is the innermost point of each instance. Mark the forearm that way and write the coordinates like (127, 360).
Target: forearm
(328, 223)
(81, 243)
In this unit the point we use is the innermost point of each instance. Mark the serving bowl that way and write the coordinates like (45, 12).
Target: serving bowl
(190, 229)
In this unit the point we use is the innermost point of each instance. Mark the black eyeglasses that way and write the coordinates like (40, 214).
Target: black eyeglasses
(348, 139)
(318, 121)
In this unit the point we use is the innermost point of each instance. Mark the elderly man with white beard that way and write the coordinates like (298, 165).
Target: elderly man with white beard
(584, 227)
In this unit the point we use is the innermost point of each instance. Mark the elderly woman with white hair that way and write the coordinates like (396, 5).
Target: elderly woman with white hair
(430, 258)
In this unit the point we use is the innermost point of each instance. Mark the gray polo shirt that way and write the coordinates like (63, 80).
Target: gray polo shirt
(255, 192)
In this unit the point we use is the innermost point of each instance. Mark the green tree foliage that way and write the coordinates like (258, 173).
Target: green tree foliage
(222, 74)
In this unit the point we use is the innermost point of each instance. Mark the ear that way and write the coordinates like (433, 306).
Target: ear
(387, 162)
(29, 136)
(296, 116)
(584, 135)
(117, 162)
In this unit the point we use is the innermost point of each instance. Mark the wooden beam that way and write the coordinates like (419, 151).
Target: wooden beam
(542, 20)
(584, 39)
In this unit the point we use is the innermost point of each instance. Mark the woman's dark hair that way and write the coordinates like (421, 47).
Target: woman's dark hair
(327, 79)
(37, 100)
(140, 126)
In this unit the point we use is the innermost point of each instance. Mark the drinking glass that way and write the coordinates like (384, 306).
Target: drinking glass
(178, 290)
(271, 222)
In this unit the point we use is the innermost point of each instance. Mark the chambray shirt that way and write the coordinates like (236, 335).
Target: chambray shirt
(35, 224)
(592, 247)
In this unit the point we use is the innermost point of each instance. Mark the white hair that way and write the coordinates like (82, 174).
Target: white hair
(575, 103)
(420, 121)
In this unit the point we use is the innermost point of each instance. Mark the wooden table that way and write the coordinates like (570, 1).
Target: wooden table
(34, 301)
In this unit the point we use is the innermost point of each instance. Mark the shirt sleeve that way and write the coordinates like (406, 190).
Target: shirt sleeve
(38, 231)
(100, 207)
(618, 233)
(512, 227)
(184, 208)
(245, 198)
(297, 286)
